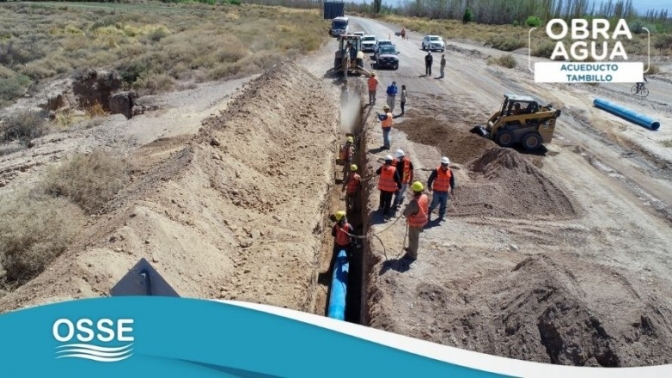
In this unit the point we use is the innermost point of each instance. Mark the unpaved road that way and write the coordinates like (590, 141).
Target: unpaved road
(562, 258)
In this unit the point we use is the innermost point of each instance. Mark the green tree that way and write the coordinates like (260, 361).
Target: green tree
(533, 21)
(468, 16)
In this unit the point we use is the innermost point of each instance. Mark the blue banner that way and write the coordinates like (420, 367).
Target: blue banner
(178, 337)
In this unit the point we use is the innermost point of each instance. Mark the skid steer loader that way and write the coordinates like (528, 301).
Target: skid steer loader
(521, 119)
(349, 58)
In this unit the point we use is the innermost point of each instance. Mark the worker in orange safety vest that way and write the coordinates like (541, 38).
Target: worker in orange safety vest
(417, 216)
(405, 169)
(388, 183)
(372, 83)
(347, 155)
(441, 181)
(344, 237)
(386, 122)
(351, 186)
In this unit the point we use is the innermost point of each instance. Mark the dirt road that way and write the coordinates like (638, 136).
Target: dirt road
(562, 258)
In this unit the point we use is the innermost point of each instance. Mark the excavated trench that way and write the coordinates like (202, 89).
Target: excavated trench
(356, 289)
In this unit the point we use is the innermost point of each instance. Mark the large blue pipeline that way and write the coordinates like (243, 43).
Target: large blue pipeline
(626, 113)
(339, 287)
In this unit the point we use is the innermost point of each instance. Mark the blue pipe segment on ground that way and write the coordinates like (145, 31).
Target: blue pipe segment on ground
(626, 113)
(339, 287)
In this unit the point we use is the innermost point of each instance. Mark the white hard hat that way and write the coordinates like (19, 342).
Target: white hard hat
(445, 160)
(389, 158)
(399, 153)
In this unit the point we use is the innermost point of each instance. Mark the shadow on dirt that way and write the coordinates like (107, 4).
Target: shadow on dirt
(399, 265)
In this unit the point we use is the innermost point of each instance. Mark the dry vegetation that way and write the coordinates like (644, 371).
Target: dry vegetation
(38, 224)
(507, 61)
(153, 46)
(505, 37)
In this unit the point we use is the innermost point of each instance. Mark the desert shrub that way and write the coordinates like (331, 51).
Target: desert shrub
(507, 61)
(533, 21)
(24, 126)
(34, 230)
(504, 43)
(544, 50)
(88, 180)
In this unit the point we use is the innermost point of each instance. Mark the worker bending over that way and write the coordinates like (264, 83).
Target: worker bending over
(388, 183)
(344, 239)
(417, 216)
(351, 186)
(441, 181)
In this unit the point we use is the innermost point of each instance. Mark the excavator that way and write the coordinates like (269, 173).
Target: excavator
(349, 58)
(521, 119)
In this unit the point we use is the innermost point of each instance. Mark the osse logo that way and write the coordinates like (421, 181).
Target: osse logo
(104, 341)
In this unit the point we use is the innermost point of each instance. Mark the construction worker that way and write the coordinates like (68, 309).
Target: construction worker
(443, 65)
(428, 63)
(403, 33)
(440, 182)
(347, 154)
(386, 122)
(392, 95)
(388, 183)
(373, 87)
(417, 216)
(351, 186)
(344, 237)
(405, 168)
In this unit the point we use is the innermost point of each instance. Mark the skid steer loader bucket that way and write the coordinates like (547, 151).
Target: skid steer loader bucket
(479, 130)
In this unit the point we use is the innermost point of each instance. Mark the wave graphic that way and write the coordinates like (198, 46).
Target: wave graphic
(95, 352)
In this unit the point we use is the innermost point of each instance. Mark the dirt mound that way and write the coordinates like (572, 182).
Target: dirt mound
(505, 184)
(235, 213)
(453, 141)
(539, 311)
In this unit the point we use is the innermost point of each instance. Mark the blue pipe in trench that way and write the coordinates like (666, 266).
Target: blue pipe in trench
(339, 287)
(627, 114)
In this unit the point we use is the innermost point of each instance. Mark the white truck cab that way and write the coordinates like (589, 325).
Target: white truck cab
(339, 25)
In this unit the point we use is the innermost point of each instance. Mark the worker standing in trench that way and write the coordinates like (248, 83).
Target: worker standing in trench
(344, 238)
(440, 182)
(417, 216)
(389, 182)
(351, 187)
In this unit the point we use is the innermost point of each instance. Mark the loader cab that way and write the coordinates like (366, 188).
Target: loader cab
(517, 105)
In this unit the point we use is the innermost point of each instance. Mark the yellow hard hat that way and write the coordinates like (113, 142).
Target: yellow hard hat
(417, 186)
(373, 74)
(351, 139)
(353, 167)
(386, 107)
(339, 215)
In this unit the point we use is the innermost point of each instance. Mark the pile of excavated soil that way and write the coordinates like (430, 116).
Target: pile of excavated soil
(235, 212)
(505, 184)
(542, 310)
(451, 138)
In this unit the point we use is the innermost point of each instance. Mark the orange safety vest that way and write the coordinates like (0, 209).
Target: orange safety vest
(373, 83)
(353, 183)
(442, 181)
(420, 218)
(388, 121)
(386, 181)
(342, 237)
(406, 173)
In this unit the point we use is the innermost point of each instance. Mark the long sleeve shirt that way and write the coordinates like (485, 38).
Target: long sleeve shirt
(400, 169)
(392, 90)
(411, 208)
(397, 177)
(432, 177)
